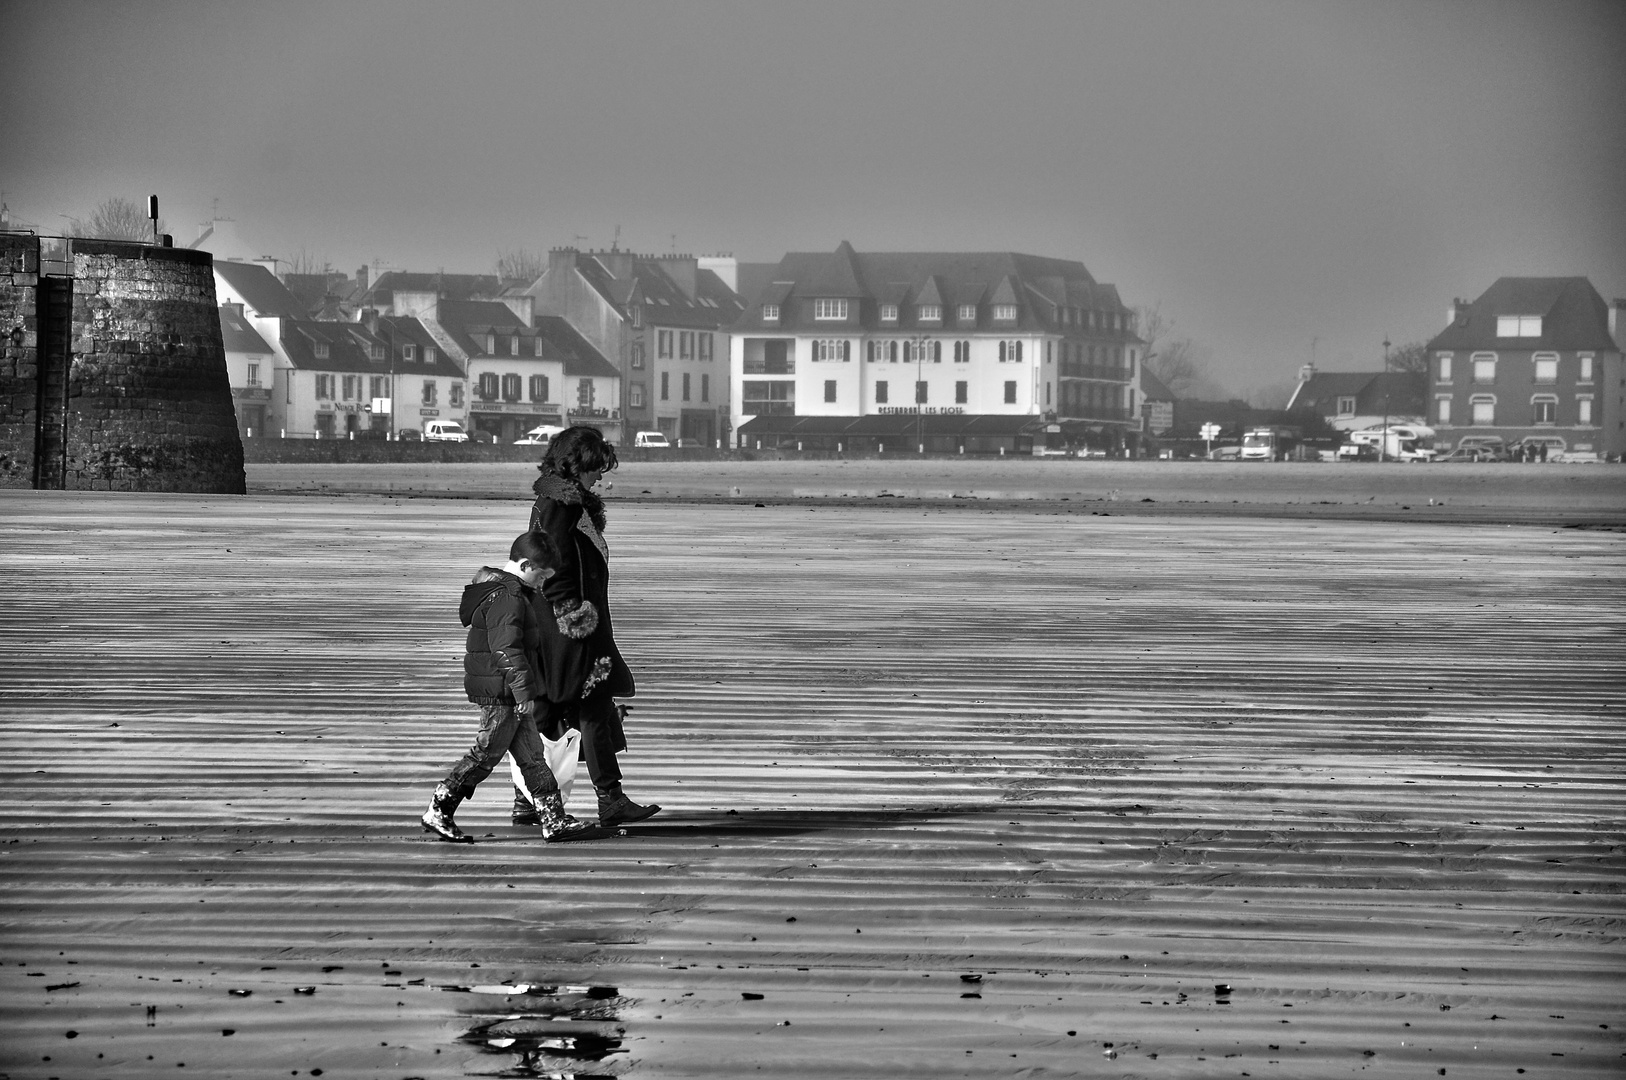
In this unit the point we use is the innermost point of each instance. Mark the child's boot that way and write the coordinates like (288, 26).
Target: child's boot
(438, 818)
(558, 826)
(524, 811)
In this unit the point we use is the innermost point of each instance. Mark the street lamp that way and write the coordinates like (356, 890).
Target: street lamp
(1383, 446)
(920, 342)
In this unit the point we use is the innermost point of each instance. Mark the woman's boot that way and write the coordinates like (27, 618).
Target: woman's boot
(614, 808)
(438, 818)
(558, 826)
(524, 810)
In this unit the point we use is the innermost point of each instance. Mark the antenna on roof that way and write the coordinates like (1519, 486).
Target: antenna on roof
(674, 243)
(615, 244)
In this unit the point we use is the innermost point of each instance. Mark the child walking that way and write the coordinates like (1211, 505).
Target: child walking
(501, 676)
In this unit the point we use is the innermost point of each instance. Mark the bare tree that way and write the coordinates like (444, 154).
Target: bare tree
(116, 219)
(1413, 356)
(1171, 358)
(304, 261)
(520, 265)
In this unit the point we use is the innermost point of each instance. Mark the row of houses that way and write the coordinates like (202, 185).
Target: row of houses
(1531, 359)
(975, 351)
(844, 350)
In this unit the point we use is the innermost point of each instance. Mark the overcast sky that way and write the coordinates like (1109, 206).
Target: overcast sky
(1271, 173)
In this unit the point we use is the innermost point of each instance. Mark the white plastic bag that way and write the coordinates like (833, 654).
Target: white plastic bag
(563, 755)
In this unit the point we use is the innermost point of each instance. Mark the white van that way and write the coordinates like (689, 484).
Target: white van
(444, 431)
(652, 439)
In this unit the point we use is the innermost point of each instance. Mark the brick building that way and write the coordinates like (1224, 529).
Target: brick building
(1532, 359)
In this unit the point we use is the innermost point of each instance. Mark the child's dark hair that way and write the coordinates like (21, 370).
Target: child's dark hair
(577, 450)
(534, 546)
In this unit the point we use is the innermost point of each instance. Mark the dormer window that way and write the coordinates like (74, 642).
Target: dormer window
(637, 317)
(929, 313)
(491, 344)
(1518, 326)
(770, 312)
(830, 310)
(428, 354)
(889, 313)
(409, 353)
(968, 313)
(513, 345)
(1004, 312)
(321, 350)
(375, 352)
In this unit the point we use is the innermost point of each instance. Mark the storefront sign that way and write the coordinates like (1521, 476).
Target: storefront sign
(527, 408)
(929, 410)
(428, 412)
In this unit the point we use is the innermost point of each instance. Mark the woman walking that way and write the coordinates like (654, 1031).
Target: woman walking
(582, 669)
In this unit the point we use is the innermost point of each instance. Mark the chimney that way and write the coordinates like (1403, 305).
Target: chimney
(725, 267)
(681, 269)
(523, 305)
(1457, 313)
(269, 262)
(1306, 373)
(361, 278)
(369, 319)
(618, 263)
(1617, 322)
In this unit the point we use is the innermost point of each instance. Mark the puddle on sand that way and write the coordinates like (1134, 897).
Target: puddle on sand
(571, 1026)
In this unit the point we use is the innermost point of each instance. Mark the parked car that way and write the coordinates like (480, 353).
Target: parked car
(444, 431)
(1577, 457)
(1533, 444)
(651, 440)
(1491, 447)
(1474, 453)
(539, 435)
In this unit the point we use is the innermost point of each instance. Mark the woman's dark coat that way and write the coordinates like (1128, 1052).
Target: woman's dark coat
(576, 629)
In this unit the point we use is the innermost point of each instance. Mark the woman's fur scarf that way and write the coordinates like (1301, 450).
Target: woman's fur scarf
(553, 486)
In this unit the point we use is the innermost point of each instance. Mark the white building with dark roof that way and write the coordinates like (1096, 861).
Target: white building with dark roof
(969, 352)
(250, 366)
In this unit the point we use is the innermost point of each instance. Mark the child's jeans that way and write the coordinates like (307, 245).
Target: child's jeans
(502, 730)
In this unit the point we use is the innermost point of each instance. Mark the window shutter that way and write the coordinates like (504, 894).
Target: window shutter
(937, 352)
(846, 351)
(1001, 352)
(1018, 352)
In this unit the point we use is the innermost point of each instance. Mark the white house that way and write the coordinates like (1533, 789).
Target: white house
(250, 366)
(975, 352)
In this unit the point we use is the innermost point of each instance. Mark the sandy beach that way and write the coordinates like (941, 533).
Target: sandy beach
(952, 788)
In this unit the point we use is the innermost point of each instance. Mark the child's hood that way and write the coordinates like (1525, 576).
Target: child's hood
(487, 580)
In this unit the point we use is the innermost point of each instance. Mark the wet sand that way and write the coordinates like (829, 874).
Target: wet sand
(957, 792)
(1579, 495)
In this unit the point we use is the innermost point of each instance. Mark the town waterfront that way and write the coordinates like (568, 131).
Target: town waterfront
(954, 788)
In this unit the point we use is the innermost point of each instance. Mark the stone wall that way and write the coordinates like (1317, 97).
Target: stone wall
(19, 371)
(377, 451)
(150, 405)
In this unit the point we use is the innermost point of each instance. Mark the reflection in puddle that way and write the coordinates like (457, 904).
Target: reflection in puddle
(546, 1041)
